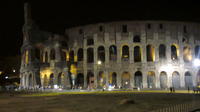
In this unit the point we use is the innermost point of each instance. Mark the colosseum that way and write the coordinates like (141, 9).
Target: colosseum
(124, 54)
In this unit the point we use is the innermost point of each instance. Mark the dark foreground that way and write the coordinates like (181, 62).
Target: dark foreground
(109, 102)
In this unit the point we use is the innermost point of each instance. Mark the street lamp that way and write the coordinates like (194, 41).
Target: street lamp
(196, 62)
(99, 62)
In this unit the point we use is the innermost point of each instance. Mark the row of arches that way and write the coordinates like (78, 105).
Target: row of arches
(138, 79)
(150, 53)
(125, 53)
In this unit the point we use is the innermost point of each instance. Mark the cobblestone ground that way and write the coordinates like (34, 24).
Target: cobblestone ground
(93, 102)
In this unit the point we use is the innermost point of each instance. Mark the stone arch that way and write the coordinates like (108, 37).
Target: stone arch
(151, 80)
(125, 53)
(90, 80)
(197, 52)
(125, 80)
(80, 80)
(52, 54)
(113, 79)
(137, 54)
(138, 79)
(174, 52)
(136, 38)
(101, 53)
(37, 54)
(51, 80)
(101, 79)
(46, 57)
(80, 54)
(30, 80)
(175, 79)
(150, 52)
(163, 80)
(113, 53)
(188, 80)
(71, 56)
(187, 54)
(45, 81)
(90, 55)
(60, 80)
(162, 51)
(198, 78)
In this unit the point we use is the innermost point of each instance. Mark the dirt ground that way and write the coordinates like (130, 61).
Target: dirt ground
(112, 102)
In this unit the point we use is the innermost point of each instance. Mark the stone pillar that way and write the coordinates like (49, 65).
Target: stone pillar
(131, 54)
(107, 78)
(144, 78)
(144, 56)
(118, 54)
(157, 79)
(58, 54)
(119, 79)
(85, 79)
(182, 78)
(95, 78)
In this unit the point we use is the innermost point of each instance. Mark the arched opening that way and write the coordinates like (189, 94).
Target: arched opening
(30, 79)
(175, 80)
(197, 52)
(125, 53)
(136, 38)
(52, 54)
(151, 79)
(162, 51)
(90, 80)
(37, 54)
(80, 80)
(46, 57)
(174, 52)
(198, 78)
(150, 53)
(113, 79)
(188, 80)
(51, 81)
(45, 83)
(80, 54)
(71, 56)
(101, 54)
(60, 80)
(90, 55)
(125, 80)
(113, 53)
(163, 80)
(137, 54)
(187, 54)
(138, 79)
(101, 79)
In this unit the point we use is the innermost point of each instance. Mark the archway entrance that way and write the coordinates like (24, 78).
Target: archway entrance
(60, 80)
(80, 80)
(126, 80)
(30, 81)
(188, 80)
(101, 79)
(90, 80)
(138, 79)
(113, 79)
(198, 78)
(163, 80)
(175, 80)
(151, 79)
(51, 83)
(45, 83)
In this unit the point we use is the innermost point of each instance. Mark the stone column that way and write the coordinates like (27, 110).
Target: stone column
(157, 79)
(119, 79)
(85, 79)
(119, 54)
(131, 54)
(107, 78)
(58, 54)
(144, 78)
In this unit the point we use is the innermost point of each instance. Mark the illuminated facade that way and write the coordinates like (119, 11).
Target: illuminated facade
(126, 54)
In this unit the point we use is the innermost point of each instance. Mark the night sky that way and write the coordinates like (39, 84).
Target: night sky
(56, 16)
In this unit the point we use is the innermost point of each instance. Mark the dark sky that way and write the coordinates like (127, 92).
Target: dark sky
(56, 16)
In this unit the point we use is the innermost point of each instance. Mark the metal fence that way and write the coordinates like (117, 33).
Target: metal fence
(186, 107)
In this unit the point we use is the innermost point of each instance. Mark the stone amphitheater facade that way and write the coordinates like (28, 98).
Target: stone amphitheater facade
(124, 54)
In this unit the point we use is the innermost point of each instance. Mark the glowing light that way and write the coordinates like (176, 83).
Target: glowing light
(196, 62)
(126, 83)
(14, 70)
(55, 86)
(6, 77)
(99, 62)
